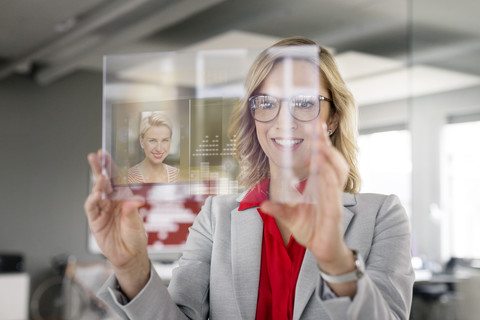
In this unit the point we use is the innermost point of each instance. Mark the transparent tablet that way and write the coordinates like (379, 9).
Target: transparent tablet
(165, 120)
(165, 123)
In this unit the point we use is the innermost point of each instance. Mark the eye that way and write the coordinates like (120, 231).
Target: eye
(304, 102)
(265, 103)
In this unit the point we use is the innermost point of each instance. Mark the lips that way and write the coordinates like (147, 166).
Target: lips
(287, 143)
(158, 155)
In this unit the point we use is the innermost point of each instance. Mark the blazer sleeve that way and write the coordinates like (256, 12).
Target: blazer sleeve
(188, 292)
(152, 302)
(385, 290)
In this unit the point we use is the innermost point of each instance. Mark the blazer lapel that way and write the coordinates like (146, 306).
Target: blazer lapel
(247, 231)
(306, 283)
(307, 278)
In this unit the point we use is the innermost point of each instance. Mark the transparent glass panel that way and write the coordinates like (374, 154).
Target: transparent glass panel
(189, 97)
(165, 127)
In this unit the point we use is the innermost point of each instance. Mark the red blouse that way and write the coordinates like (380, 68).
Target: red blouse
(280, 264)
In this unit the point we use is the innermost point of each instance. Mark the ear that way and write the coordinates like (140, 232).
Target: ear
(332, 122)
(141, 142)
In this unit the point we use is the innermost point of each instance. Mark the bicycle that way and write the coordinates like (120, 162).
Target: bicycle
(70, 294)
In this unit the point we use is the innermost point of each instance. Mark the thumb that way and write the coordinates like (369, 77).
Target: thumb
(132, 206)
(274, 209)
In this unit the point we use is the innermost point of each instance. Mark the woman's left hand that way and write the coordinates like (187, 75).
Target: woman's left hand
(317, 222)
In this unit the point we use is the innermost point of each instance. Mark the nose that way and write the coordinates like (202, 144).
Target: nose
(158, 146)
(284, 119)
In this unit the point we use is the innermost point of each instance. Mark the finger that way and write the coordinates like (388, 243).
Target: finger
(323, 143)
(325, 182)
(320, 166)
(100, 180)
(95, 164)
(106, 161)
(104, 156)
(96, 204)
(132, 206)
(92, 205)
(331, 156)
(320, 144)
(277, 210)
(321, 135)
(323, 163)
(97, 161)
(103, 185)
(130, 212)
(100, 184)
(109, 167)
(337, 162)
(321, 185)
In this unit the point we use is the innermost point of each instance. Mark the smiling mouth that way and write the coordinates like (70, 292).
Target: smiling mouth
(287, 142)
(158, 155)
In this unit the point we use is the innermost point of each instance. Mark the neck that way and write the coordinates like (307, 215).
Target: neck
(148, 166)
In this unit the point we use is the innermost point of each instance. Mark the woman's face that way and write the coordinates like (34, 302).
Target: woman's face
(156, 144)
(286, 141)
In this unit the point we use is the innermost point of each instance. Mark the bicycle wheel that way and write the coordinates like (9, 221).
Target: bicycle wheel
(47, 300)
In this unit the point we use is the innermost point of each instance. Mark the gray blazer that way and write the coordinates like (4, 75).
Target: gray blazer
(218, 274)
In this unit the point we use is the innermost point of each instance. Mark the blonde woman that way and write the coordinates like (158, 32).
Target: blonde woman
(344, 255)
(155, 140)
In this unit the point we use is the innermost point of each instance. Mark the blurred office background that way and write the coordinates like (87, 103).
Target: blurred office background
(413, 65)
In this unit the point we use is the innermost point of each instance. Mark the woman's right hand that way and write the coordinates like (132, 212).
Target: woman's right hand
(119, 231)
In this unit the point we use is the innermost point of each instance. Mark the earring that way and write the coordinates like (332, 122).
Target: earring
(330, 132)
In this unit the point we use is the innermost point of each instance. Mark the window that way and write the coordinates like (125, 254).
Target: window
(385, 164)
(461, 188)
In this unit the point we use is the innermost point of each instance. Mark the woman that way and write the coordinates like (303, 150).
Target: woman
(338, 255)
(155, 140)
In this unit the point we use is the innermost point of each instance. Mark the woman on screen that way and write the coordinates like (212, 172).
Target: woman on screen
(155, 140)
(329, 253)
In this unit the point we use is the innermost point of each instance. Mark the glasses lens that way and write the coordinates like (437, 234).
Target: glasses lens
(264, 108)
(305, 107)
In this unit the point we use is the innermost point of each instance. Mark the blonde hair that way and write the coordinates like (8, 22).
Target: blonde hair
(253, 160)
(155, 119)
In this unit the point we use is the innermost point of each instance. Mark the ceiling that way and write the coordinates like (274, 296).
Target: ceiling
(49, 39)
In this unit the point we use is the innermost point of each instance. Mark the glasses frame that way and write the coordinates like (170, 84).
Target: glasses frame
(280, 100)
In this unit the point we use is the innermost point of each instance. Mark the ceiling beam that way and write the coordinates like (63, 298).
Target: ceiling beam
(446, 52)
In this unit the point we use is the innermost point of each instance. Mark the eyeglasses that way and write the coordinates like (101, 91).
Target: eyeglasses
(265, 108)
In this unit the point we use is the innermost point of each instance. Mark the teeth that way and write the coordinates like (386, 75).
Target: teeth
(287, 142)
